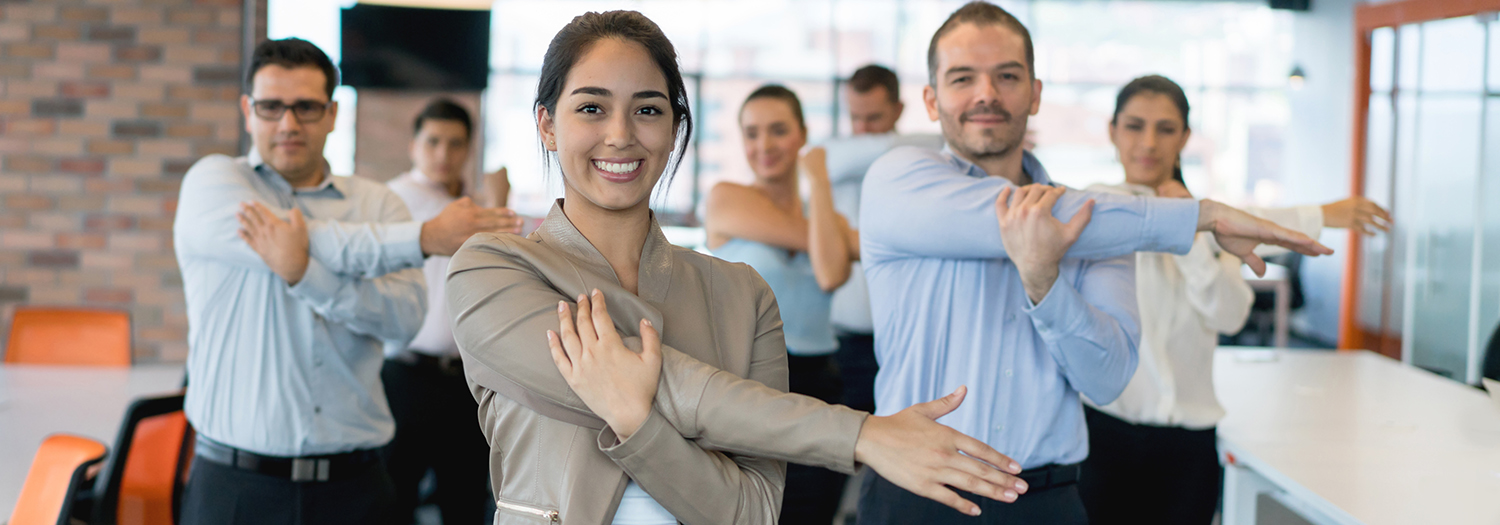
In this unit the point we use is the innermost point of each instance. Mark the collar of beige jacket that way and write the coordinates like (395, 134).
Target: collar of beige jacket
(656, 256)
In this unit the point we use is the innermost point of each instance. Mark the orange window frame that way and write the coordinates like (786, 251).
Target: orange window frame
(1368, 18)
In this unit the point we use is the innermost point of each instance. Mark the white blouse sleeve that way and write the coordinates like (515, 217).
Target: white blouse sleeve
(1215, 288)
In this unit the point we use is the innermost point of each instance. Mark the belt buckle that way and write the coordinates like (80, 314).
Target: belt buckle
(308, 469)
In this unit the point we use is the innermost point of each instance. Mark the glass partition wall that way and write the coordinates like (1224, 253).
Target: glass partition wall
(1431, 289)
(1231, 57)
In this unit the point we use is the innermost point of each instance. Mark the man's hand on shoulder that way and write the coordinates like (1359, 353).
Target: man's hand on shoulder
(1035, 240)
(461, 219)
(281, 244)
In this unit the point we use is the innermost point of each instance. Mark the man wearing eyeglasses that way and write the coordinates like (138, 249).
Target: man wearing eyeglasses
(296, 280)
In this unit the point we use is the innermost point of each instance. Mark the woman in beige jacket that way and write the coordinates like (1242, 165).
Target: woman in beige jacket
(679, 411)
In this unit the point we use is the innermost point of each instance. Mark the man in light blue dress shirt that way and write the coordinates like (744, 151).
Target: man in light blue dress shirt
(969, 287)
(295, 281)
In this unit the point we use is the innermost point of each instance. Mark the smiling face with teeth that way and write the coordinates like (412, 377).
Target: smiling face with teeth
(614, 129)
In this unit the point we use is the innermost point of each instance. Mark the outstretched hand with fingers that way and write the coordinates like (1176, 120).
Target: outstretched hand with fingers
(915, 452)
(1239, 233)
(1358, 214)
(616, 383)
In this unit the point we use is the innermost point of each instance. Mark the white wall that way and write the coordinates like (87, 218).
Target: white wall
(1318, 148)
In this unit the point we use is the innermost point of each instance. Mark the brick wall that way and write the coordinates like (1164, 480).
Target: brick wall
(104, 104)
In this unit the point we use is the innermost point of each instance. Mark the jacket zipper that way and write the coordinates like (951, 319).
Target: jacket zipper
(549, 515)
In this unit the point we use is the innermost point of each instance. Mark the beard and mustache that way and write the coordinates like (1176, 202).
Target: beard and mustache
(988, 143)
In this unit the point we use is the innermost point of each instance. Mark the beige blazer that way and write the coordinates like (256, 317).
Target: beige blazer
(713, 449)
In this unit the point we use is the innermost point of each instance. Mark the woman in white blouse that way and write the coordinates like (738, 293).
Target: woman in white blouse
(1152, 455)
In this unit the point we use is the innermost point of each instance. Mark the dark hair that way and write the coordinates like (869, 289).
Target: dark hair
(444, 109)
(872, 76)
(778, 92)
(1160, 85)
(574, 39)
(980, 13)
(292, 53)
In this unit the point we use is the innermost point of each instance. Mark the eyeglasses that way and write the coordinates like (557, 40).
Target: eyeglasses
(306, 110)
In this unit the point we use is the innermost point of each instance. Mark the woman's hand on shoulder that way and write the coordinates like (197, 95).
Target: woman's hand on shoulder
(815, 164)
(615, 382)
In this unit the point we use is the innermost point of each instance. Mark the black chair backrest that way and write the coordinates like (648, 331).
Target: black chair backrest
(1293, 262)
(77, 485)
(107, 488)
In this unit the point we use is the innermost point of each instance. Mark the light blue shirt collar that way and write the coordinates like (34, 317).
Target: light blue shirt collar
(1030, 165)
(333, 186)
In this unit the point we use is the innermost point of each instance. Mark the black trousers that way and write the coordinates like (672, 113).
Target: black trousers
(882, 502)
(812, 494)
(857, 367)
(1149, 474)
(437, 428)
(221, 495)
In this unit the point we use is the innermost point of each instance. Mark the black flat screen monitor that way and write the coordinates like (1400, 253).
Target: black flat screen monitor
(408, 48)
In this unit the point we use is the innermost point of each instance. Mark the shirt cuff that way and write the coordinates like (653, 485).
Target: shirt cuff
(1059, 313)
(318, 285)
(1169, 225)
(1310, 220)
(406, 242)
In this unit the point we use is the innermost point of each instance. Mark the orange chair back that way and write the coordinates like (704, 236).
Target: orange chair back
(60, 464)
(151, 471)
(63, 336)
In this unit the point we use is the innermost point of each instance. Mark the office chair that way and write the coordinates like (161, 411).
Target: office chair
(69, 336)
(142, 482)
(59, 473)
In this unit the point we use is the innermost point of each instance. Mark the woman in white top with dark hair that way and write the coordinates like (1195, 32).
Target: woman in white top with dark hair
(1152, 452)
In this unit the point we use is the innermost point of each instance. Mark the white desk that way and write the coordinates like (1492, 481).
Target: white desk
(1354, 437)
(37, 401)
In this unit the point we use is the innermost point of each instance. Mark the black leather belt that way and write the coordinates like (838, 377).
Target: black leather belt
(1049, 476)
(331, 467)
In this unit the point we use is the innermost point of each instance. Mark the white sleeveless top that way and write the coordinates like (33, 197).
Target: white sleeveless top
(638, 508)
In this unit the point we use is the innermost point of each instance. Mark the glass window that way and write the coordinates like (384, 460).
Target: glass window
(1453, 56)
(1408, 54)
(1382, 58)
(1489, 219)
(1380, 139)
(1403, 236)
(317, 21)
(510, 140)
(1494, 57)
(1231, 57)
(866, 32)
(1443, 217)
